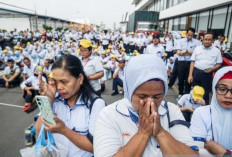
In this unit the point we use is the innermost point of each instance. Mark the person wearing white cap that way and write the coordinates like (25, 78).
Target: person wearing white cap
(142, 124)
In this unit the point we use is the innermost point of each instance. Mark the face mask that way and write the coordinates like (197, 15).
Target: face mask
(36, 75)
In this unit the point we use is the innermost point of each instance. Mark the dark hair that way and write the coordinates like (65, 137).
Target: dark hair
(223, 36)
(191, 29)
(26, 58)
(73, 65)
(209, 33)
(48, 60)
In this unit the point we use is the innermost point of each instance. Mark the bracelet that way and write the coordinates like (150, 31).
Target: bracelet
(228, 153)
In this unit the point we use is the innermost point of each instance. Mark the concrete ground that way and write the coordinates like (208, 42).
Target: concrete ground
(13, 120)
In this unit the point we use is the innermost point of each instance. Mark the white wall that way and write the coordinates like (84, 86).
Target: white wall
(191, 6)
(10, 23)
(143, 3)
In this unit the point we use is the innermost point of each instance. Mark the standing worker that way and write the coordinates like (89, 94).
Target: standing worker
(92, 66)
(185, 48)
(205, 60)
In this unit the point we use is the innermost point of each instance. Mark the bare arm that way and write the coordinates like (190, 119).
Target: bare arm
(170, 146)
(135, 147)
(190, 77)
(24, 77)
(115, 75)
(4, 78)
(13, 77)
(96, 76)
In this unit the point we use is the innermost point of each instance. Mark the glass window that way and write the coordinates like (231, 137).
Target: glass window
(175, 24)
(203, 21)
(175, 2)
(165, 5)
(182, 1)
(219, 19)
(169, 3)
(158, 5)
(161, 5)
(170, 23)
(183, 22)
(228, 20)
(192, 21)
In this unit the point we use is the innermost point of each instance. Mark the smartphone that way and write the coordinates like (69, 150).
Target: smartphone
(44, 105)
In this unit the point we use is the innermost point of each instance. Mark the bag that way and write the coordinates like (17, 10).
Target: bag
(44, 148)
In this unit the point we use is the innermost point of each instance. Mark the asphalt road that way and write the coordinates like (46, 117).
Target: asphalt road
(14, 121)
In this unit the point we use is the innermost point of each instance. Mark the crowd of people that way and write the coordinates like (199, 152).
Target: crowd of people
(71, 69)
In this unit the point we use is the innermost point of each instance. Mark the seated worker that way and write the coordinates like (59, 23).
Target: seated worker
(10, 75)
(30, 88)
(170, 66)
(211, 125)
(47, 68)
(111, 66)
(118, 76)
(28, 68)
(142, 124)
(189, 102)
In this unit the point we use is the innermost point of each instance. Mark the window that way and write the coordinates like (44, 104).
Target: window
(228, 21)
(169, 3)
(183, 22)
(175, 24)
(170, 25)
(203, 21)
(175, 2)
(192, 21)
(181, 1)
(219, 19)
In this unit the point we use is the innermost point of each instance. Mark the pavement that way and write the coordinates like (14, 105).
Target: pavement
(14, 121)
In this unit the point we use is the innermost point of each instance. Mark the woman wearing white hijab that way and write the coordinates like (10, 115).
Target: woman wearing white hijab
(212, 125)
(138, 124)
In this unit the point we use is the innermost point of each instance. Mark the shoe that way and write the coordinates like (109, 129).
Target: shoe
(114, 93)
(178, 98)
(26, 108)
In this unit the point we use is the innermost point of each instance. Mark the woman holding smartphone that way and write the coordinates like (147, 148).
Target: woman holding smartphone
(74, 104)
(138, 125)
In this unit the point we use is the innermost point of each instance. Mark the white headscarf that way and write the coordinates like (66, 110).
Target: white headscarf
(221, 118)
(141, 69)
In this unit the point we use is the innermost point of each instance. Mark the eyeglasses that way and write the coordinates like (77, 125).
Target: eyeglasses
(223, 90)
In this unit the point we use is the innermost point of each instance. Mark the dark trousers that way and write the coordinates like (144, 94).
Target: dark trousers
(169, 54)
(131, 48)
(187, 115)
(29, 98)
(200, 78)
(183, 73)
(126, 47)
(173, 76)
(14, 82)
(117, 82)
(98, 93)
(105, 47)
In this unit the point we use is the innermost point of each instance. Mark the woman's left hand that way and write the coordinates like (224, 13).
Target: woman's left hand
(157, 128)
(59, 127)
(214, 148)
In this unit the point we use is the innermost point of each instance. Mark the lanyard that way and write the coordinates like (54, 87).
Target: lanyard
(85, 63)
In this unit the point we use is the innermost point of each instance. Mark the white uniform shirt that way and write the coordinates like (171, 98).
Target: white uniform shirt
(120, 74)
(29, 71)
(115, 128)
(206, 58)
(33, 81)
(184, 44)
(14, 70)
(91, 67)
(186, 102)
(79, 120)
(132, 40)
(105, 39)
(169, 45)
(156, 50)
(219, 45)
(125, 39)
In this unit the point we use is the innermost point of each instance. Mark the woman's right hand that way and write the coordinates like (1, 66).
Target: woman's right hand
(146, 117)
(47, 89)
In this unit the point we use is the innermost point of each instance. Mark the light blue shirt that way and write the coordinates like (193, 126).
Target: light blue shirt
(205, 58)
(78, 119)
(184, 44)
